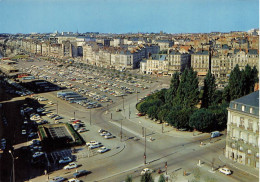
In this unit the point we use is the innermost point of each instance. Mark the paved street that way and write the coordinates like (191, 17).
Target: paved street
(181, 150)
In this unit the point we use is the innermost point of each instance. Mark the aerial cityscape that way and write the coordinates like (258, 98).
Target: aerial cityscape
(131, 91)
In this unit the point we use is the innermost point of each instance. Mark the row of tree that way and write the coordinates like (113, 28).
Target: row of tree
(180, 104)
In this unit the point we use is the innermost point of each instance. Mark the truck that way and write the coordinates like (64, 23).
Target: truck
(215, 134)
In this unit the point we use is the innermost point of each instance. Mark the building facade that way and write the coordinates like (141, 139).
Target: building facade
(242, 142)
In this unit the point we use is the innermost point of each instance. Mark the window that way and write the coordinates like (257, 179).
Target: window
(250, 124)
(257, 155)
(249, 151)
(241, 148)
(235, 106)
(242, 121)
(243, 108)
(251, 110)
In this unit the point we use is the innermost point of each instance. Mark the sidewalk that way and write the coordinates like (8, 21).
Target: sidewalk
(241, 167)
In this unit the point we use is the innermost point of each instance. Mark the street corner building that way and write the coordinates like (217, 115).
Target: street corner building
(242, 144)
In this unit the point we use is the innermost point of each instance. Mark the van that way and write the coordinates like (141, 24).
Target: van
(215, 134)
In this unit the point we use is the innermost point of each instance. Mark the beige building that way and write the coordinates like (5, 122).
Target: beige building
(200, 62)
(178, 62)
(242, 142)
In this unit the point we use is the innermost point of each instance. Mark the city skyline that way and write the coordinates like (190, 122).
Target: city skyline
(127, 16)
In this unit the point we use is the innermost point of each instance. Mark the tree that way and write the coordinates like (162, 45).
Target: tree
(209, 90)
(235, 84)
(129, 179)
(152, 112)
(188, 90)
(147, 177)
(172, 91)
(162, 178)
(202, 120)
(179, 117)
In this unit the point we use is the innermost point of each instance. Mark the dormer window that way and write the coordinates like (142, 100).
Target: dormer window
(251, 110)
(243, 108)
(235, 106)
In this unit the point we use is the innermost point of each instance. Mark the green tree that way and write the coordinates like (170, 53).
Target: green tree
(202, 120)
(172, 91)
(209, 90)
(179, 117)
(162, 178)
(188, 90)
(129, 179)
(152, 112)
(235, 85)
(147, 177)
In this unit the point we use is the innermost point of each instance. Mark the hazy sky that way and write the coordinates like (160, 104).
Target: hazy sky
(122, 16)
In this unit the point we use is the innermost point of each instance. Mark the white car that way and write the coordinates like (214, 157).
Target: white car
(146, 170)
(65, 160)
(103, 150)
(73, 180)
(101, 131)
(71, 165)
(92, 143)
(224, 170)
(42, 99)
(37, 154)
(94, 146)
(109, 136)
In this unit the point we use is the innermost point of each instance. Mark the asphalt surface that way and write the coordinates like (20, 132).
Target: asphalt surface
(181, 150)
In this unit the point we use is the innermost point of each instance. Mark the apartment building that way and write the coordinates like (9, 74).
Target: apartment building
(200, 62)
(178, 62)
(157, 64)
(242, 141)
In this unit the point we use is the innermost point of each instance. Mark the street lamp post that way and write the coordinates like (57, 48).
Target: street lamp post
(144, 145)
(13, 165)
(90, 117)
(57, 107)
(129, 111)
(123, 102)
(121, 132)
(74, 115)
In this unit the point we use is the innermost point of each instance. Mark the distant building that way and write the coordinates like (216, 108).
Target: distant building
(242, 142)
(200, 62)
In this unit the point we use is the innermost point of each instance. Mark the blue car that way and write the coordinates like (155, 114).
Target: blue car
(81, 173)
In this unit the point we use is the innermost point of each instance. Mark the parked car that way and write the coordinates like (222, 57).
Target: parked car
(224, 170)
(103, 150)
(82, 130)
(58, 118)
(71, 165)
(92, 142)
(23, 132)
(95, 146)
(65, 160)
(37, 154)
(57, 179)
(81, 173)
(73, 180)
(109, 136)
(146, 170)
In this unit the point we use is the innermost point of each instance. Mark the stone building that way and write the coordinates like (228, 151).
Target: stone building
(242, 142)
(178, 62)
(200, 62)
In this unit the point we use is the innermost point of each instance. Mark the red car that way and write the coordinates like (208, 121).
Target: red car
(140, 114)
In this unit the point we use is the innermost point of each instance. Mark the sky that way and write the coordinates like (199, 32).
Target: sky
(125, 16)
